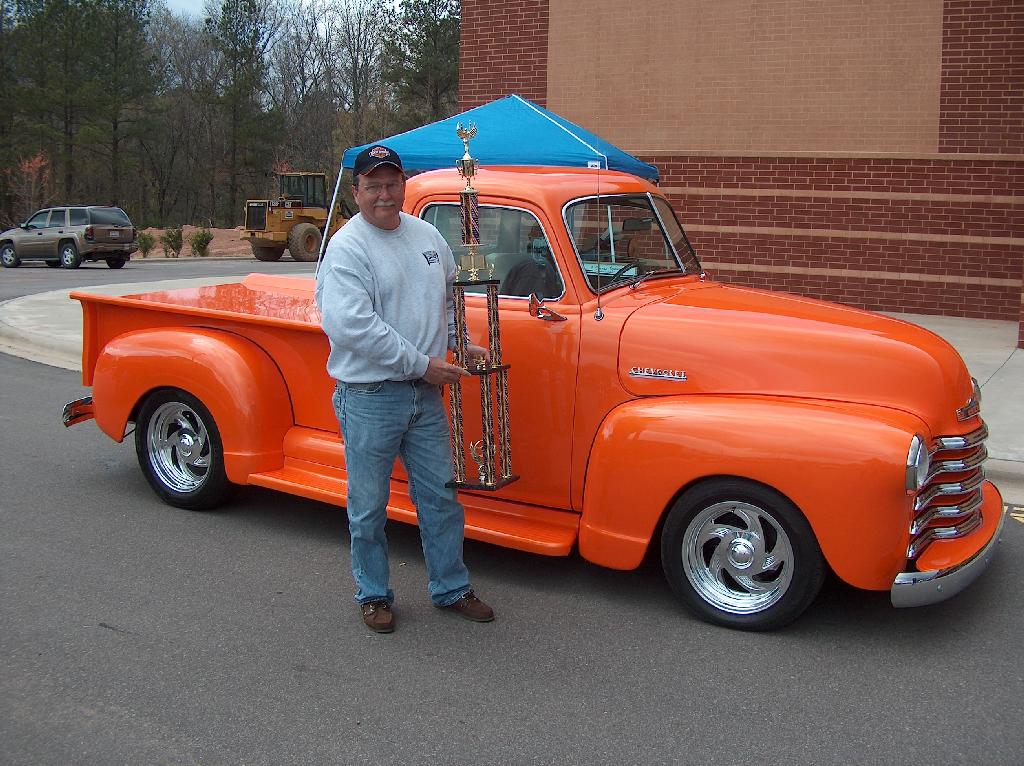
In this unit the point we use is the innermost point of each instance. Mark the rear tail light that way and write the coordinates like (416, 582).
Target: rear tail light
(89, 233)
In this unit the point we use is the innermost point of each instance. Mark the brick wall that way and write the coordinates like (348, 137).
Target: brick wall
(937, 236)
(504, 49)
(982, 86)
(898, 187)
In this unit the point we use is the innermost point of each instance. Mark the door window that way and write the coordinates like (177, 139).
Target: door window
(58, 218)
(38, 221)
(514, 249)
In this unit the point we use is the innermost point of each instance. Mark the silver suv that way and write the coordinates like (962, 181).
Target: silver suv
(66, 236)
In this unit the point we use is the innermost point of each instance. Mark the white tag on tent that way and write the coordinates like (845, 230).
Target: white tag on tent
(594, 164)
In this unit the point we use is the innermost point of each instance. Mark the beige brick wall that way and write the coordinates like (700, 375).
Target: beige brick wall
(724, 75)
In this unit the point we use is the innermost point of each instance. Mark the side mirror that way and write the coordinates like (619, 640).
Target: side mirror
(539, 310)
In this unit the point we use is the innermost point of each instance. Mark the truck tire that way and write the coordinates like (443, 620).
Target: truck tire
(69, 257)
(741, 555)
(180, 451)
(304, 242)
(9, 257)
(266, 253)
(116, 263)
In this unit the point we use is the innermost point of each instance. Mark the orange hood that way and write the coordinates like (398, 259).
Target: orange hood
(739, 341)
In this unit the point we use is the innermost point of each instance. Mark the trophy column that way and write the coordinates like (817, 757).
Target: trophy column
(492, 453)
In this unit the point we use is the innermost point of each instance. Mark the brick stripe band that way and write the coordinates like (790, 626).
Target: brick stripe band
(861, 274)
(772, 192)
(926, 157)
(844, 234)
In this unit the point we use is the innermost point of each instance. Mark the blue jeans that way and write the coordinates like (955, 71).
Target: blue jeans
(406, 419)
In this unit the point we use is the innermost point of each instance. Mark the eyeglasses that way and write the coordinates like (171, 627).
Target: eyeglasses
(375, 189)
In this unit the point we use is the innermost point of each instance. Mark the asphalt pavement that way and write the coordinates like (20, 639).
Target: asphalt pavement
(132, 632)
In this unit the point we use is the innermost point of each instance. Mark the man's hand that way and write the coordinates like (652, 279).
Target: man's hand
(474, 354)
(440, 373)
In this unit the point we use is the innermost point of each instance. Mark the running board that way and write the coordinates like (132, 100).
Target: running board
(512, 525)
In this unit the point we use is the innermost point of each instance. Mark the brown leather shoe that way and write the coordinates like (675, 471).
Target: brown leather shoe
(472, 608)
(378, 616)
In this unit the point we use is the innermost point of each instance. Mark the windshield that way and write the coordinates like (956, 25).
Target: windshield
(308, 190)
(619, 238)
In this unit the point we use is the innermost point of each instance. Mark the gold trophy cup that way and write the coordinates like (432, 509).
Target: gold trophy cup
(493, 452)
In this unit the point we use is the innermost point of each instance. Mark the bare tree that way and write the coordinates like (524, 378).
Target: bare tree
(362, 25)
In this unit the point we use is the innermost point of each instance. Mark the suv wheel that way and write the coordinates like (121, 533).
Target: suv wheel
(9, 257)
(69, 257)
(116, 263)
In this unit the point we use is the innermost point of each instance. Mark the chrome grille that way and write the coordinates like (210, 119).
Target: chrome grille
(949, 503)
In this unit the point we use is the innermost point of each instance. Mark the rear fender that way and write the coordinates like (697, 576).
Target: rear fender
(842, 465)
(236, 380)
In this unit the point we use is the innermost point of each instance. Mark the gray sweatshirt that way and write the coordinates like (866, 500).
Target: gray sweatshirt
(385, 300)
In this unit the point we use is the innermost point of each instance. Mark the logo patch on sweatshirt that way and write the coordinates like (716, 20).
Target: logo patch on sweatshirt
(431, 256)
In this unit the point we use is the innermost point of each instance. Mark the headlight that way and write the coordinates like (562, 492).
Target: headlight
(918, 463)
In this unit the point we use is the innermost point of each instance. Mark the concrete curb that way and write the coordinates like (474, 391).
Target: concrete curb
(47, 327)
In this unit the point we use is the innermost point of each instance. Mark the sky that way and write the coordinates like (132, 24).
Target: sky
(191, 7)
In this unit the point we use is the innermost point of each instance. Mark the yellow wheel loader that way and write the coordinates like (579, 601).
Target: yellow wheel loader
(294, 221)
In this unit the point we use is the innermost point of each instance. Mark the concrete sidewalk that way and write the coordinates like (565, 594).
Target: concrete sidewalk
(47, 328)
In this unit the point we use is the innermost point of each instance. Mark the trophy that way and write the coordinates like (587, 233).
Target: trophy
(493, 452)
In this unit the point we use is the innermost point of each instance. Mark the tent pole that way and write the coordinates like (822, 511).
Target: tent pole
(330, 215)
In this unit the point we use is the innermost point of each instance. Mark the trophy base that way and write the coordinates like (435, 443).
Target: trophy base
(475, 282)
(498, 484)
(487, 370)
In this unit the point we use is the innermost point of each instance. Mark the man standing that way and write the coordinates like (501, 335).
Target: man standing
(385, 295)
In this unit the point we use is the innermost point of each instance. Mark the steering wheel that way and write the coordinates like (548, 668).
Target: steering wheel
(626, 267)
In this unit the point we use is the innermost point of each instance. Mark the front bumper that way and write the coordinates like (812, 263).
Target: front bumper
(923, 588)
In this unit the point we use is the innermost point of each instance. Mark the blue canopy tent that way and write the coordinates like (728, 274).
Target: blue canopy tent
(511, 131)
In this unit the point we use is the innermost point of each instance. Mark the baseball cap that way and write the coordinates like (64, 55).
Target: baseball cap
(373, 157)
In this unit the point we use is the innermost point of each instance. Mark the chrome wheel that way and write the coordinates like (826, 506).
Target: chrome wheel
(740, 554)
(737, 557)
(180, 450)
(179, 447)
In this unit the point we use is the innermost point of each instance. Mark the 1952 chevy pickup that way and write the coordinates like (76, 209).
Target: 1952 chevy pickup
(754, 438)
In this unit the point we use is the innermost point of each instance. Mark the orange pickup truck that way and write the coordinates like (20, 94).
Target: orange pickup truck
(753, 439)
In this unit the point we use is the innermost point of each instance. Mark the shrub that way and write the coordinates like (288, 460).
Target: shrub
(171, 242)
(200, 241)
(146, 243)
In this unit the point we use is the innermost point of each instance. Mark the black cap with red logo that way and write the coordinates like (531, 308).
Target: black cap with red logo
(373, 157)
